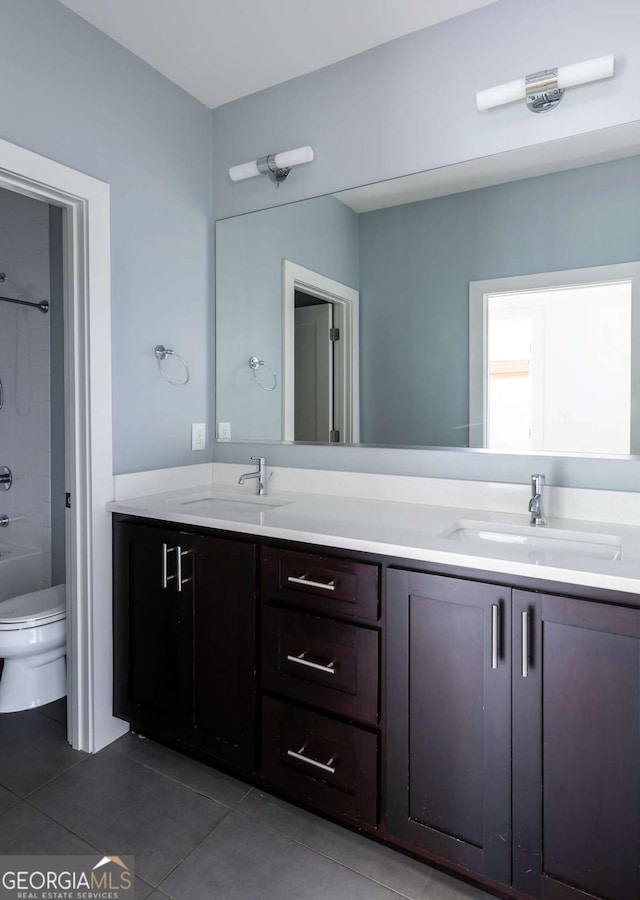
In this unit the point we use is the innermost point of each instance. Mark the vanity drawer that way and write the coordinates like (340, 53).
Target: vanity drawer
(327, 664)
(325, 584)
(331, 766)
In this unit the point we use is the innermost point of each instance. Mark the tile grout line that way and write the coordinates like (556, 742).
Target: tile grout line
(181, 783)
(193, 849)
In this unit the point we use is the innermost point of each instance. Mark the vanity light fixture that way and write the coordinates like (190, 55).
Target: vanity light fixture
(544, 90)
(276, 165)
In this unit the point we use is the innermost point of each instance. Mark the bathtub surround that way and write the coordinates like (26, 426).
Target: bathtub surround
(25, 418)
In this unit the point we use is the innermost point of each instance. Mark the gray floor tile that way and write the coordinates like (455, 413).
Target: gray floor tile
(125, 808)
(25, 830)
(56, 710)
(7, 799)
(213, 784)
(144, 890)
(382, 864)
(444, 887)
(241, 860)
(34, 750)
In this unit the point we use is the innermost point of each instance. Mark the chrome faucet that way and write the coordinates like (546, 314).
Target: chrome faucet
(260, 474)
(536, 507)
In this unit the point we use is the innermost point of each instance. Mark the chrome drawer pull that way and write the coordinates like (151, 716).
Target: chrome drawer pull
(179, 554)
(301, 661)
(166, 578)
(326, 767)
(495, 631)
(525, 643)
(303, 579)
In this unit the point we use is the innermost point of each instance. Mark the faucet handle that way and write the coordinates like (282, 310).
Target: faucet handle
(259, 459)
(537, 481)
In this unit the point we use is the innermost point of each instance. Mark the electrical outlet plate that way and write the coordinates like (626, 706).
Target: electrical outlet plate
(198, 435)
(224, 431)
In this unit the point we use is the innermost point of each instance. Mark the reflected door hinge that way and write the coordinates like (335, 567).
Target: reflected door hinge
(334, 334)
(334, 436)
(67, 501)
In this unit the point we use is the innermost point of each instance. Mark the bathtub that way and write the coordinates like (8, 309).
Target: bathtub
(21, 570)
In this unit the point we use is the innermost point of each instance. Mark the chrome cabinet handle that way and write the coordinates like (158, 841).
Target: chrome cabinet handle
(495, 629)
(166, 578)
(326, 767)
(179, 554)
(301, 661)
(303, 579)
(525, 643)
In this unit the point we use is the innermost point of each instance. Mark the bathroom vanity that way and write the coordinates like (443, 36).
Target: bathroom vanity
(471, 700)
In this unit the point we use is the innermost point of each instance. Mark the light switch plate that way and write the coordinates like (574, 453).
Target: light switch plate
(198, 435)
(224, 431)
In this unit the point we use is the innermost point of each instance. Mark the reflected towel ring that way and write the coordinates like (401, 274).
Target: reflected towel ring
(255, 364)
(161, 354)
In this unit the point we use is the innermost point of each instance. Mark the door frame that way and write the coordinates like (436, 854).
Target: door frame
(85, 202)
(346, 308)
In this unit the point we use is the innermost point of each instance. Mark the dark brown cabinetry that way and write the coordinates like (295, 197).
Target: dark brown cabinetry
(449, 719)
(184, 639)
(576, 748)
(320, 681)
(514, 735)
(492, 729)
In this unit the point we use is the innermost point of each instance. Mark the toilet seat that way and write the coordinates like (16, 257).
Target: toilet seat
(35, 609)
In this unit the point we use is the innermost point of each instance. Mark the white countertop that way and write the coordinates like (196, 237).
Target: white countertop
(408, 530)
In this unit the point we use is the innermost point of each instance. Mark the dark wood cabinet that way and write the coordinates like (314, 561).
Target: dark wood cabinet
(576, 749)
(449, 719)
(494, 730)
(184, 639)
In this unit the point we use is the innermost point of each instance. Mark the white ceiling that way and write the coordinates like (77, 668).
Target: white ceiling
(219, 51)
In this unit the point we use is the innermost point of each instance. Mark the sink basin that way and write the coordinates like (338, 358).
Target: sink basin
(538, 540)
(225, 506)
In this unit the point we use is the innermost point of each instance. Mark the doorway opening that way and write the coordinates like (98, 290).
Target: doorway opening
(320, 368)
(83, 205)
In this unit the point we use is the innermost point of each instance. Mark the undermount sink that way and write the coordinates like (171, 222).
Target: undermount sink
(537, 540)
(224, 505)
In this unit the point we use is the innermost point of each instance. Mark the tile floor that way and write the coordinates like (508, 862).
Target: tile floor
(196, 833)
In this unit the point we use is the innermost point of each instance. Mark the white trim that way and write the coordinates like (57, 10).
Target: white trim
(479, 292)
(346, 303)
(89, 469)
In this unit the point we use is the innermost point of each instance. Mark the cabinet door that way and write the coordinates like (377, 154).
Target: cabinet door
(576, 754)
(152, 630)
(448, 769)
(224, 666)
(449, 719)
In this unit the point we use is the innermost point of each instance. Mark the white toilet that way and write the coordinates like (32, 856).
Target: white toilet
(33, 641)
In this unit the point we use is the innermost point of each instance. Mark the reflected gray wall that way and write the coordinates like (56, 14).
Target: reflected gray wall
(416, 262)
(321, 235)
(58, 477)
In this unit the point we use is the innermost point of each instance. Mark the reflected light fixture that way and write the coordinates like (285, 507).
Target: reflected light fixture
(544, 90)
(276, 165)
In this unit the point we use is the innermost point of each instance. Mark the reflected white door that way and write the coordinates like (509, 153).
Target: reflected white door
(313, 373)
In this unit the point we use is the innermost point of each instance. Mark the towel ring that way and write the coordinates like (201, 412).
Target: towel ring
(161, 354)
(255, 364)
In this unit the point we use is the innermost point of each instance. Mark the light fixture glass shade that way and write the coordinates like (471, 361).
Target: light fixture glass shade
(294, 157)
(245, 170)
(568, 76)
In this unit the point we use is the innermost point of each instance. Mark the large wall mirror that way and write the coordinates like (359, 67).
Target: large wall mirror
(492, 304)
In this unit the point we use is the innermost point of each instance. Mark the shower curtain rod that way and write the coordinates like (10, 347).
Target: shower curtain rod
(43, 306)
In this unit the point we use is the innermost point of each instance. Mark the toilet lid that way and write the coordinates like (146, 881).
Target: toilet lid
(48, 605)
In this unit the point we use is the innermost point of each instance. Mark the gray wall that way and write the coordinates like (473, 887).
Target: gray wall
(74, 95)
(407, 106)
(416, 262)
(319, 234)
